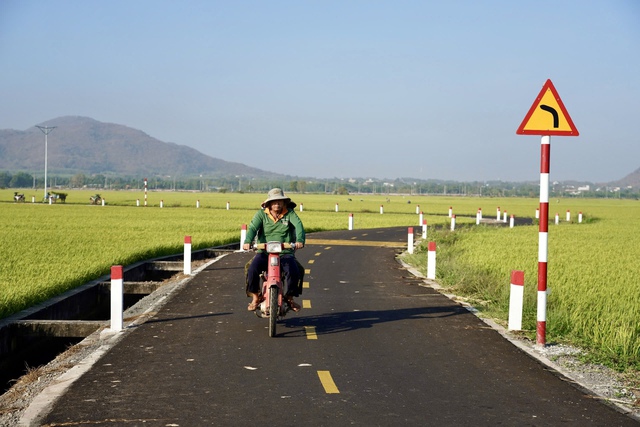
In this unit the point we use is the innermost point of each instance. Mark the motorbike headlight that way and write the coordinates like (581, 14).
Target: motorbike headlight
(274, 247)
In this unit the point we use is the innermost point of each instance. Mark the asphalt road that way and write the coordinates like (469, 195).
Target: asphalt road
(371, 348)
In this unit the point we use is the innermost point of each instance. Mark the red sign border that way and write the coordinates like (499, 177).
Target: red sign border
(548, 85)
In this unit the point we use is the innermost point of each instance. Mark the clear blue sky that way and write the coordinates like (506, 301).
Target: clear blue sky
(344, 89)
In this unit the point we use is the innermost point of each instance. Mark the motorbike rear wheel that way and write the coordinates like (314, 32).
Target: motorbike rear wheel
(273, 310)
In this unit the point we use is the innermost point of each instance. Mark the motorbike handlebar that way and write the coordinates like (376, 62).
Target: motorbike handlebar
(263, 246)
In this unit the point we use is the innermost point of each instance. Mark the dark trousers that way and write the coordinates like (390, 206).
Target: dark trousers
(288, 268)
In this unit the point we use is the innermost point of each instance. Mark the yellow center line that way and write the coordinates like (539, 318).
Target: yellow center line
(305, 285)
(307, 271)
(310, 331)
(311, 261)
(327, 382)
(318, 253)
(306, 303)
(356, 243)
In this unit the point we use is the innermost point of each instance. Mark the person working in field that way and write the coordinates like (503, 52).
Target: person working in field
(276, 221)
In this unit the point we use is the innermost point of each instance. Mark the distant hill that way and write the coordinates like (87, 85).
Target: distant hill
(85, 145)
(631, 180)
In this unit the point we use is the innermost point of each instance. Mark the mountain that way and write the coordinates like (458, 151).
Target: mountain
(631, 180)
(85, 145)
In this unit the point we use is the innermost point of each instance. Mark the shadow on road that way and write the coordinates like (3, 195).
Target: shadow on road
(348, 321)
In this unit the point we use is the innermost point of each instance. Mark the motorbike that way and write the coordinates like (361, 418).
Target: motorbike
(274, 305)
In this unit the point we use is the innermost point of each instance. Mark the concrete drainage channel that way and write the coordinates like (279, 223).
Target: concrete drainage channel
(35, 336)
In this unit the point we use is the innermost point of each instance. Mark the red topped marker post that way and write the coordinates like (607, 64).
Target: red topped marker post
(546, 117)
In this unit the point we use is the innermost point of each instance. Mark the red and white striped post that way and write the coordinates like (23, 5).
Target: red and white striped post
(558, 123)
(431, 261)
(543, 241)
(117, 298)
(228, 205)
(137, 202)
(198, 203)
(557, 218)
(511, 221)
(579, 217)
(568, 218)
(410, 240)
(498, 214)
(350, 221)
(243, 235)
(301, 207)
(478, 216)
(337, 208)
(103, 201)
(145, 191)
(381, 209)
(417, 208)
(450, 211)
(537, 213)
(453, 222)
(421, 218)
(161, 203)
(516, 298)
(424, 229)
(187, 255)
(505, 217)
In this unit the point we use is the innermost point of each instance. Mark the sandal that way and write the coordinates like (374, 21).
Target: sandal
(253, 305)
(293, 305)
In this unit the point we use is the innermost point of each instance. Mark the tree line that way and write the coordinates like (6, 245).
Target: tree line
(329, 186)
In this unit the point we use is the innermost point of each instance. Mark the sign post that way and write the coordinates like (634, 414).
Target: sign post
(547, 116)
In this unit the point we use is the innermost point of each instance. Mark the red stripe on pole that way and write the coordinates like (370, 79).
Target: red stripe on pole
(187, 239)
(545, 155)
(544, 217)
(116, 272)
(517, 277)
(541, 332)
(542, 276)
(244, 226)
(410, 230)
(432, 246)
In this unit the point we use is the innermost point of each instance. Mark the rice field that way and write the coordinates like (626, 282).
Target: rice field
(48, 249)
(594, 298)
(593, 274)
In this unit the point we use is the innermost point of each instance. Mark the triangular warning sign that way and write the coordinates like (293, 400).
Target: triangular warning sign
(547, 115)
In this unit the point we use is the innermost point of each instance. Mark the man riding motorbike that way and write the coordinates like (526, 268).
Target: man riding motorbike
(277, 221)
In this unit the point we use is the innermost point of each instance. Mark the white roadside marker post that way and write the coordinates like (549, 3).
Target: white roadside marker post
(431, 261)
(243, 235)
(516, 298)
(117, 298)
(187, 255)
(410, 240)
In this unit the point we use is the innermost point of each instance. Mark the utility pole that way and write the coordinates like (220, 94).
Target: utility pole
(46, 130)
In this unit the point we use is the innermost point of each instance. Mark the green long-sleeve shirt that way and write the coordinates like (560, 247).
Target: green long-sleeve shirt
(287, 229)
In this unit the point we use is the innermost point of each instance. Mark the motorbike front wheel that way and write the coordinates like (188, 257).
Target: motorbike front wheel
(273, 310)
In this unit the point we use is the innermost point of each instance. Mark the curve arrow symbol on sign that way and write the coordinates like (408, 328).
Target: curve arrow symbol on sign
(556, 119)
